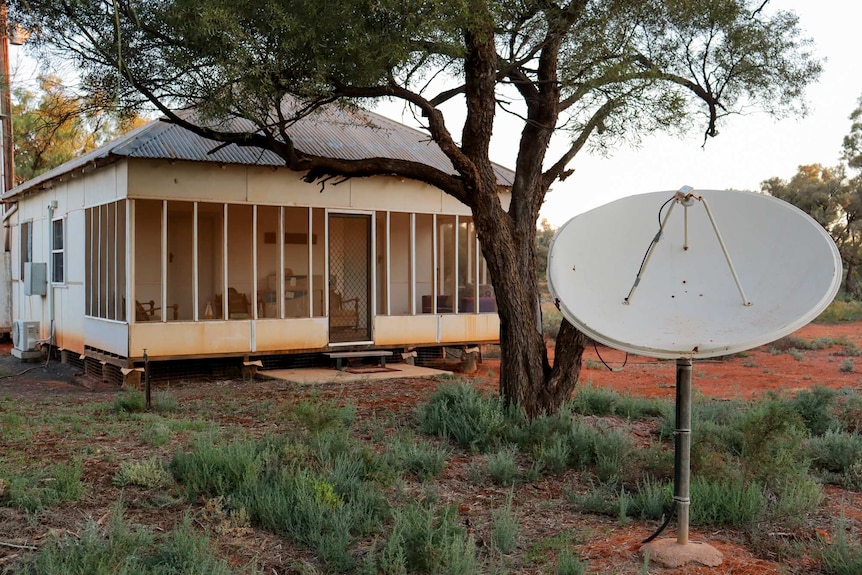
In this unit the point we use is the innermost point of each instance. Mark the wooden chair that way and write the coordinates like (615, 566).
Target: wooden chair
(147, 311)
(343, 312)
(237, 305)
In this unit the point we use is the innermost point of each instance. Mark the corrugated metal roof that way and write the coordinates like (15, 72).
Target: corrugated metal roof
(335, 132)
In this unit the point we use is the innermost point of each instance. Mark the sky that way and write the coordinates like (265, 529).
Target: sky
(748, 149)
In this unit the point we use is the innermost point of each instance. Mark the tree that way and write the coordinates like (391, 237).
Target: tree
(596, 72)
(54, 125)
(833, 199)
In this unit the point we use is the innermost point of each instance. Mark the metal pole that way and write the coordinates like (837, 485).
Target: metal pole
(147, 393)
(682, 448)
(6, 103)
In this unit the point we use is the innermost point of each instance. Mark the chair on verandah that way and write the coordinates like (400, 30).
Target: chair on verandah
(146, 311)
(343, 312)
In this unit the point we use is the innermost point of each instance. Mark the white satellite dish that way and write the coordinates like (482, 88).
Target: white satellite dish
(685, 275)
(730, 271)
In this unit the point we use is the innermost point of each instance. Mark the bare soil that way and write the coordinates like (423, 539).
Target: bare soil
(259, 406)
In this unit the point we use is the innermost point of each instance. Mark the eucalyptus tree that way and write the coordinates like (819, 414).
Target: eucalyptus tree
(588, 73)
(833, 197)
(53, 124)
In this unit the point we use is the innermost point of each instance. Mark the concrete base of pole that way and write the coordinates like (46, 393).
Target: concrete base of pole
(669, 553)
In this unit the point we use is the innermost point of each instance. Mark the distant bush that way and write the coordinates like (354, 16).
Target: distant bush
(841, 310)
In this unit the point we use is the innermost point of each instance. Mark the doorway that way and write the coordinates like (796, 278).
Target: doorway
(350, 278)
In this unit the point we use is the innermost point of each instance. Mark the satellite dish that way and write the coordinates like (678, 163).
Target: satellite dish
(685, 275)
(729, 271)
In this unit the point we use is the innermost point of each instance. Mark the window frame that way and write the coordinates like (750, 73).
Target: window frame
(25, 249)
(61, 251)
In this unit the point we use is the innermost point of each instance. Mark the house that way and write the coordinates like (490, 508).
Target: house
(166, 244)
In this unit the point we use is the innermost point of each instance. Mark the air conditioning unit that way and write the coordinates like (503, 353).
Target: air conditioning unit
(25, 339)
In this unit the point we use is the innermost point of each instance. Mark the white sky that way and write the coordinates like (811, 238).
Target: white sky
(748, 150)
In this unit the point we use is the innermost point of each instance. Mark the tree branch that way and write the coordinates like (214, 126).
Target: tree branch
(558, 170)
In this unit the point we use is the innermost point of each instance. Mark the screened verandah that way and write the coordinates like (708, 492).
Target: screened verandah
(211, 263)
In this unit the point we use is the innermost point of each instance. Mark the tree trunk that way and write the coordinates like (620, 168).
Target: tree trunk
(527, 379)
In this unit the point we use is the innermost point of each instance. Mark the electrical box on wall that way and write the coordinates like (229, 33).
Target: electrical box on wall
(35, 278)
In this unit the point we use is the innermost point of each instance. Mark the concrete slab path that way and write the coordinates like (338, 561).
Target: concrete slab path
(324, 375)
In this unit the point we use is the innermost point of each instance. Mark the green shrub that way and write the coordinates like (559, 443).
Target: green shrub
(569, 564)
(843, 556)
(729, 502)
(589, 400)
(425, 459)
(652, 499)
(582, 441)
(601, 500)
(149, 473)
(816, 407)
(127, 550)
(504, 527)
(502, 467)
(835, 451)
(322, 415)
(655, 460)
(794, 498)
(130, 401)
(772, 440)
(612, 449)
(461, 413)
(44, 487)
(210, 471)
(555, 455)
(429, 540)
(633, 407)
(156, 434)
(849, 412)
(305, 507)
(841, 310)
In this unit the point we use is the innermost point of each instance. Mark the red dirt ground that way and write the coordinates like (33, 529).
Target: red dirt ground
(745, 375)
(614, 548)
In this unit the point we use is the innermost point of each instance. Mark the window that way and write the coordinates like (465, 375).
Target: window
(26, 245)
(57, 252)
(105, 261)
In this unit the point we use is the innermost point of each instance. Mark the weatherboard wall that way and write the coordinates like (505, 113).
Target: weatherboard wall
(208, 182)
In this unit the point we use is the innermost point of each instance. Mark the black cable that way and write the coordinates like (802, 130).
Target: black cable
(22, 372)
(663, 525)
(601, 359)
(655, 238)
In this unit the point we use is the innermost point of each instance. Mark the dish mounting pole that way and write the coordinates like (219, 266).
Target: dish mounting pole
(682, 448)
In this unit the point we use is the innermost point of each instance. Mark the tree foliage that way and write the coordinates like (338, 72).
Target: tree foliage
(595, 72)
(53, 125)
(834, 199)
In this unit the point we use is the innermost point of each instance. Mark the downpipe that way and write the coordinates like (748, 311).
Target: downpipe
(52, 205)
